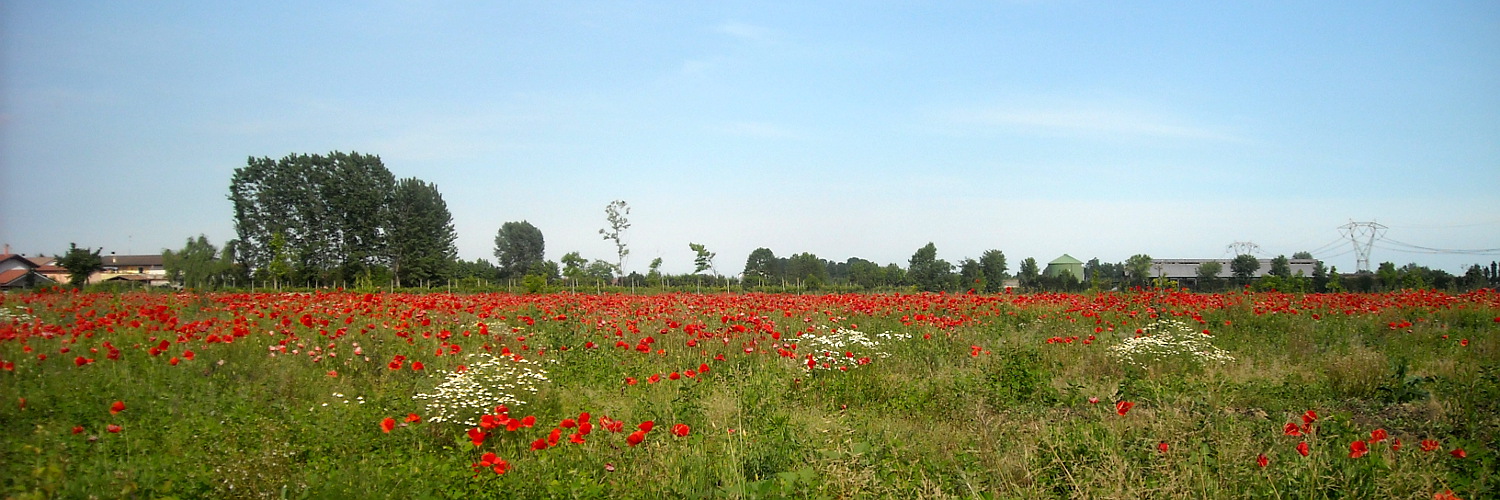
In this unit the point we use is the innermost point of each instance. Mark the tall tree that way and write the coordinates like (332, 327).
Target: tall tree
(1029, 273)
(574, 266)
(1208, 276)
(1280, 267)
(615, 214)
(422, 234)
(518, 246)
(970, 275)
(929, 273)
(1138, 269)
(81, 263)
(992, 263)
(331, 211)
(761, 264)
(704, 260)
(1243, 267)
(196, 265)
(805, 266)
(864, 273)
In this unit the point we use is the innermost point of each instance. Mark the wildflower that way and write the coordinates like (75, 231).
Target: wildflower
(1358, 449)
(1161, 447)
(387, 425)
(680, 430)
(1291, 429)
(1302, 448)
(78, 429)
(568, 423)
(1445, 495)
(1094, 400)
(477, 435)
(1123, 407)
(1262, 460)
(539, 444)
(116, 429)
(1430, 445)
(576, 438)
(1459, 453)
(1396, 445)
(1309, 416)
(118, 407)
(412, 418)
(646, 426)
(492, 462)
(635, 438)
(1377, 435)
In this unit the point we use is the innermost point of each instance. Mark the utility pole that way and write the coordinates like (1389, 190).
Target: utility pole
(1362, 235)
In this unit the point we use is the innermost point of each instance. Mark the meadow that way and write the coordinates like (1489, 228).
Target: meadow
(1140, 394)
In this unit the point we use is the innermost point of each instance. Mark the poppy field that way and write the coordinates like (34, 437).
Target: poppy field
(1140, 394)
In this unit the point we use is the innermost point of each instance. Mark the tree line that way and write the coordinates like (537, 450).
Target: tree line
(343, 219)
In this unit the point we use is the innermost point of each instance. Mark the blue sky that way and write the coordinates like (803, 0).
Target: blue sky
(1099, 129)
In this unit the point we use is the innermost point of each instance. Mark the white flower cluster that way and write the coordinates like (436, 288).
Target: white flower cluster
(843, 348)
(7, 314)
(465, 395)
(1169, 341)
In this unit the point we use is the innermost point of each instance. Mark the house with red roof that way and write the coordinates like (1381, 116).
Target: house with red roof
(19, 271)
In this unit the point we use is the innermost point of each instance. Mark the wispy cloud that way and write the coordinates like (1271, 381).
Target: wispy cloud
(1086, 121)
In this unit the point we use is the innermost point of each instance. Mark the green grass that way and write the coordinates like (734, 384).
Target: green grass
(932, 420)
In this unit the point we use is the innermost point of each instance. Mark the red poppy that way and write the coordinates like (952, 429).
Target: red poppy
(1262, 460)
(1302, 448)
(118, 407)
(174, 361)
(585, 428)
(116, 429)
(630, 381)
(635, 438)
(1430, 445)
(1094, 400)
(333, 373)
(1309, 417)
(646, 426)
(1396, 445)
(529, 421)
(539, 444)
(1358, 449)
(568, 423)
(78, 429)
(492, 462)
(1161, 447)
(1123, 407)
(1459, 453)
(576, 438)
(476, 435)
(387, 425)
(675, 376)
(417, 365)
(1291, 430)
(1445, 495)
(680, 430)
(703, 368)
(412, 417)
(583, 417)
(1377, 435)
